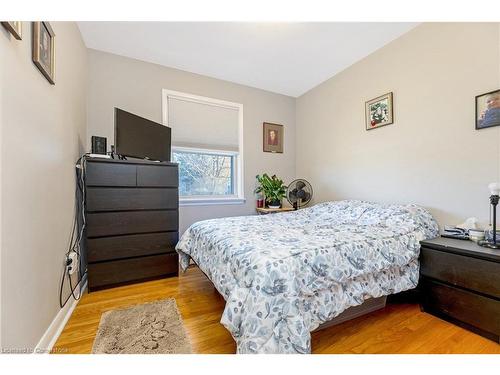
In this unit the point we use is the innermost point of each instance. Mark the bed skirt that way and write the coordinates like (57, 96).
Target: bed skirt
(370, 305)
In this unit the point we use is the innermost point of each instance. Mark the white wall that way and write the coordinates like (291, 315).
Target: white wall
(42, 135)
(136, 86)
(431, 155)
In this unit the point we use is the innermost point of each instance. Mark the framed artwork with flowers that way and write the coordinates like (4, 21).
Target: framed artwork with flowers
(379, 111)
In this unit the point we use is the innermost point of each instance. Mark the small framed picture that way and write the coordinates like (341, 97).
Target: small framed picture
(488, 110)
(15, 28)
(379, 112)
(44, 49)
(273, 137)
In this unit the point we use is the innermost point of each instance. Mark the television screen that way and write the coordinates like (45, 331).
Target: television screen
(141, 138)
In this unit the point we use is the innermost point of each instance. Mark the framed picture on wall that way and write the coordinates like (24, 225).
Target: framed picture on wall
(273, 137)
(379, 111)
(15, 28)
(44, 49)
(488, 109)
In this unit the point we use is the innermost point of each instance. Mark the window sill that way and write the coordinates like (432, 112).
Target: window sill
(210, 201)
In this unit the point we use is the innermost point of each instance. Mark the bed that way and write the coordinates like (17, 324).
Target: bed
(283, 275)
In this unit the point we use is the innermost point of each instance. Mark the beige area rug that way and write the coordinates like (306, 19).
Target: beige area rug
(150, 328)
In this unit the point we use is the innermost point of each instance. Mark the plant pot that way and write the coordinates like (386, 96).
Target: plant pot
(274, 204)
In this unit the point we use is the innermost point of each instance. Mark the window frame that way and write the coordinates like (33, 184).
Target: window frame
(239, 196)
(214, 199)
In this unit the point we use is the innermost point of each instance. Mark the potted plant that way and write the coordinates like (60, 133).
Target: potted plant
(273, 189)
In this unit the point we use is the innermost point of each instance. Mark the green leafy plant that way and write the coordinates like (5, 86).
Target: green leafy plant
(272, 187)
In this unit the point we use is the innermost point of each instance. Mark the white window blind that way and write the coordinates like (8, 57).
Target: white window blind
(202, 125)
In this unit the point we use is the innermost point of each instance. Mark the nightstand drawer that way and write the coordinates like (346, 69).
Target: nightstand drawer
(467, 272)
(462, 306)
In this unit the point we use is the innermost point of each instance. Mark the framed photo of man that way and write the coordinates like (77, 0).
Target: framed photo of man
(488, 109)
(273, 137)
(44, 49)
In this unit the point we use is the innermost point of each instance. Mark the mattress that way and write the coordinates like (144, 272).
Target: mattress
(283, 275)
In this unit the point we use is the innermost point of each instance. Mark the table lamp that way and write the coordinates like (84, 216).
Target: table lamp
(494, 197)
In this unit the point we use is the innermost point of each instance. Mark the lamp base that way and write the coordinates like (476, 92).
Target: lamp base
(491, 245)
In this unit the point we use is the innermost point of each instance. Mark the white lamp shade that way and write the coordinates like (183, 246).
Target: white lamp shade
(494, 188)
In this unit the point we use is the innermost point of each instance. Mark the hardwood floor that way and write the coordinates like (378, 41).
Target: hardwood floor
(399, 328)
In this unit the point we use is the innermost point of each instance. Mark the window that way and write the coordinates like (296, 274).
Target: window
(205, 172)
(207, 144)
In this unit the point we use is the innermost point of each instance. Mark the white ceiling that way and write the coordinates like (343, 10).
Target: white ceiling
(286, 58)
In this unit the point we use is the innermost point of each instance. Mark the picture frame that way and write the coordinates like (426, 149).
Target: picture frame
(273, 137)
(487, 112)
(15, 28)
(379, 111)
(44, 49)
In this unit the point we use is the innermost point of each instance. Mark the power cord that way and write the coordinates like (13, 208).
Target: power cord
(75, 243)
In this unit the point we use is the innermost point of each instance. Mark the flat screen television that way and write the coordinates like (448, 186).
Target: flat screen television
(140, 138)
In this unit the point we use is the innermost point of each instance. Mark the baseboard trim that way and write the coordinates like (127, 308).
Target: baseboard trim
(52, 333)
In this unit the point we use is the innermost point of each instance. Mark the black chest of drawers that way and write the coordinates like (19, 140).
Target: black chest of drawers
(460, 282)
(132, 221)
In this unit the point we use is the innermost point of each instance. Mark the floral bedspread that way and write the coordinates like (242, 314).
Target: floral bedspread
(284, 274)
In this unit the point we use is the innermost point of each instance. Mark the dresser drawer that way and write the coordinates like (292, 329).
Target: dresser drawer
(117, 247)
(157, 176)
(467, 272)
(134, 222)
(120, 271)
(110, 174)
(473, 309)
(116, 199)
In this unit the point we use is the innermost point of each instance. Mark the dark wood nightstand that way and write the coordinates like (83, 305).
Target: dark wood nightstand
(460, 282)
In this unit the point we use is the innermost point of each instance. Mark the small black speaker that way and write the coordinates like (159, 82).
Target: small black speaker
(99, 145)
